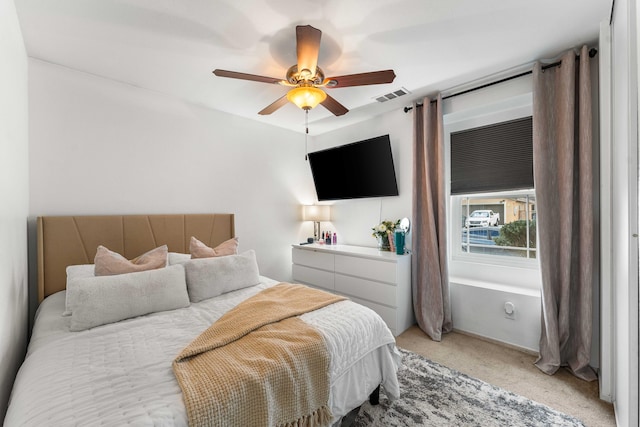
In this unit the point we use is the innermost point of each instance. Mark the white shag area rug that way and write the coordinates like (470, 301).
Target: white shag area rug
(434, 395)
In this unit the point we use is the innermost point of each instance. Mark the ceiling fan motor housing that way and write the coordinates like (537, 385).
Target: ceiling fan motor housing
(296, 77)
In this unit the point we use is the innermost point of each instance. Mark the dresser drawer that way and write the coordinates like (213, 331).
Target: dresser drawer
(378, 280)
(389, 315)
(311, 276)
(313, 259)
(373, 291)
(367, 268)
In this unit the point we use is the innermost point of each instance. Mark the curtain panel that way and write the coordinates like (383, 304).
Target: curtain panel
(563, 175)
(429, 270)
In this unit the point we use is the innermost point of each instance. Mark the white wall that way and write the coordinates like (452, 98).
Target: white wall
(14, 189)
(624, 200)
(102, 147)
(481, 311)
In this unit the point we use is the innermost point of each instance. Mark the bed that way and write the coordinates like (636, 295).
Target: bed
(120, 373)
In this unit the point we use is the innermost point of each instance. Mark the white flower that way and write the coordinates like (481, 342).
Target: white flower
(383, 229)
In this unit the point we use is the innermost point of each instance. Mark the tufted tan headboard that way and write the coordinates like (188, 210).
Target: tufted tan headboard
(71, 240)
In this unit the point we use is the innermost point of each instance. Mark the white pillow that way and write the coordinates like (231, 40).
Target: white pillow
(99, 300)
(210, 277)
(89, 270)
(178, 258)
(75, 272)
(83, 270)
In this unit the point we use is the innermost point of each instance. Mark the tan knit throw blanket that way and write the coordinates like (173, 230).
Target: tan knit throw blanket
(259, 365)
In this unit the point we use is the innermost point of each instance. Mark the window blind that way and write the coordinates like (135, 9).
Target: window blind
(496, 157)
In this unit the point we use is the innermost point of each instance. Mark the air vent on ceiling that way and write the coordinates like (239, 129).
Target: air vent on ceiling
(391, 95)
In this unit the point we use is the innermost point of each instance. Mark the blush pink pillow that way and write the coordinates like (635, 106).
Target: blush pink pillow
(109, 263)
(200, 250)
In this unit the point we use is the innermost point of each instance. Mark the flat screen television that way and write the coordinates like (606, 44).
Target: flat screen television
(357, 170)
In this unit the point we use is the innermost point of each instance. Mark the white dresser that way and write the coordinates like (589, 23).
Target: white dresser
(376, 279)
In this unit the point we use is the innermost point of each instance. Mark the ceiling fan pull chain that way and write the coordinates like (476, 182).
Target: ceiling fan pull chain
(306, 133)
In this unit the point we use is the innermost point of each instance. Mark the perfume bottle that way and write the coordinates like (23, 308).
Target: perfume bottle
(335, 238)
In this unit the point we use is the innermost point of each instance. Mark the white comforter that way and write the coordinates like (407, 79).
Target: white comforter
(120, 374)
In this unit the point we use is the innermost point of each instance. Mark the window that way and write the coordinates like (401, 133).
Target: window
(498, 224)
(492, 207)
(495, 158)
(475, 258)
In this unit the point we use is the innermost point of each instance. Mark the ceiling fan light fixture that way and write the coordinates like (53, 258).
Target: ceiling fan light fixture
(306, 97)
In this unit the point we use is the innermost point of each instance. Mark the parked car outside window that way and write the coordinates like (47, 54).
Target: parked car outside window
(512, 236)
(482, 218)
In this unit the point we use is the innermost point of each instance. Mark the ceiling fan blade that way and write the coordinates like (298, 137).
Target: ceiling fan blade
(280, 102)
(334, 106)
(308, 47)
(361, 79)
(245, 76)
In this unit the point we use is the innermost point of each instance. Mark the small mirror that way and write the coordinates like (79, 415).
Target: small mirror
(405, 225)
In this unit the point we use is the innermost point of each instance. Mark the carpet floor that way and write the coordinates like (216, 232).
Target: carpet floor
(435, 395)
(513, 370)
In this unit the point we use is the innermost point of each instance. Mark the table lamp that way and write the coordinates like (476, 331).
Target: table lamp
(316, 213)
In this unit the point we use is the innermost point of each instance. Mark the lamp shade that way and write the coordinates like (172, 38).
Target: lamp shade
(316, 213)
(306, 97)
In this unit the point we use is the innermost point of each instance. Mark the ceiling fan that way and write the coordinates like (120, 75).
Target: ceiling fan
(306, 79)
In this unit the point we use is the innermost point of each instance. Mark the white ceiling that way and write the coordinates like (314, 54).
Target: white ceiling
(171, 46)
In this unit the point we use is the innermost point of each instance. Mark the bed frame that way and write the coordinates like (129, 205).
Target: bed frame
(72, 240)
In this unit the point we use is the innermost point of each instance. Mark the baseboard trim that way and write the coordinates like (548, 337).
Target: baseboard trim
(498, 342)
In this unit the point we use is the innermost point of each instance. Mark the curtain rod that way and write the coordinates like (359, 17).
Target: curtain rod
(613, 5)
(592, 53)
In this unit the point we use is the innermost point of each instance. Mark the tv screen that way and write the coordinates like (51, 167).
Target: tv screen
(357, 170)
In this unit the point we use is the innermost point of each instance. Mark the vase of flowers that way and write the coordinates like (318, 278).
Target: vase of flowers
(384, 233)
